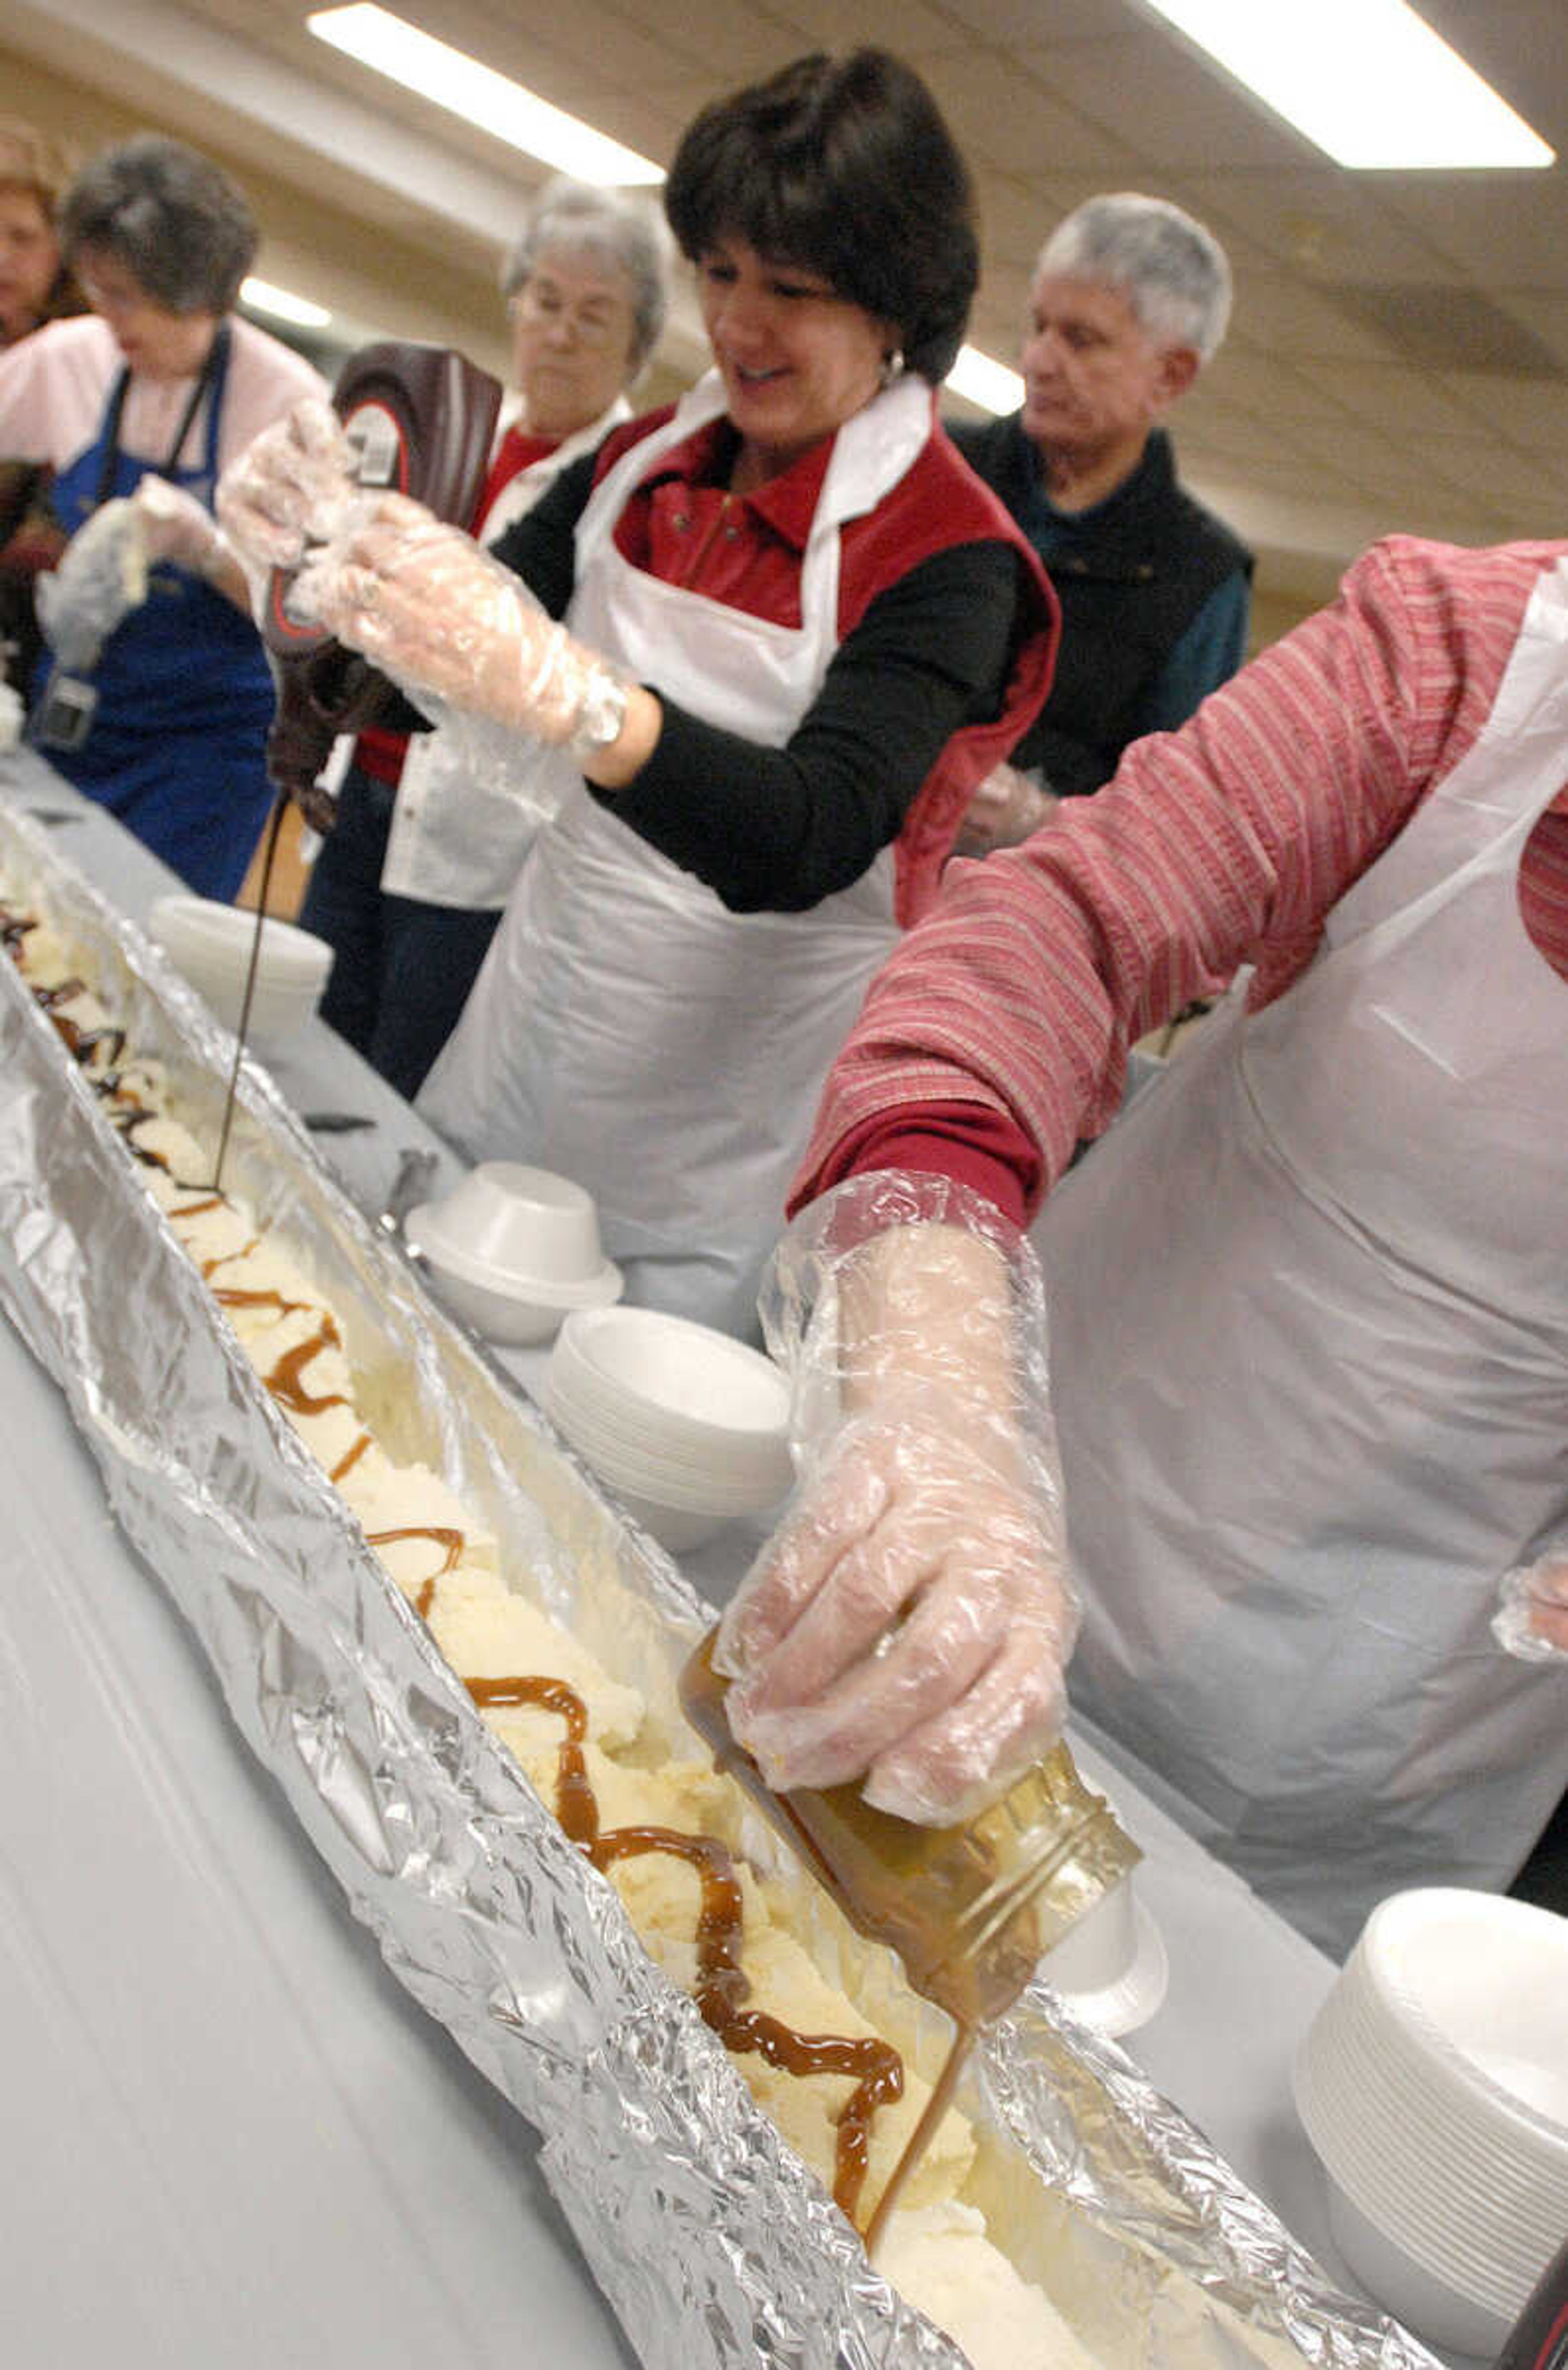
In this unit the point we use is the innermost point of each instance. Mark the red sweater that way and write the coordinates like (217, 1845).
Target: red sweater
(997, 1035)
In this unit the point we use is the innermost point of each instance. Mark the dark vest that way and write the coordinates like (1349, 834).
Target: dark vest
(1131, 577)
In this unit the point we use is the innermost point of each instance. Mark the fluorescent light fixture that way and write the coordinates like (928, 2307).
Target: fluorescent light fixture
(280, 304)
(1369, 80)
(989, 384)
(479, 95)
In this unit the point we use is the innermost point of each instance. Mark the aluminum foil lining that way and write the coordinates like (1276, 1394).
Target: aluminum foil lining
(712, 2241)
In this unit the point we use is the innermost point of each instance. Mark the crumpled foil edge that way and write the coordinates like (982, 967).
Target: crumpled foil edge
(712, 2242)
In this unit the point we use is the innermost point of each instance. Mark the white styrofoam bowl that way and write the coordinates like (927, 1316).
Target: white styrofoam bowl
(1432, 2085)
(491, 1310)
(688, 1428)
(1423, 2300)
(502, 1307)
(665, 1387)
(211, 944)
(678, 1528)
(519, 1226)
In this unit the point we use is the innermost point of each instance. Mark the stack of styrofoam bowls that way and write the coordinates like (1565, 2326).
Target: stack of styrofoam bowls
(211, 944)
(688, 1428)
(1434, 2087)
(512, 1249)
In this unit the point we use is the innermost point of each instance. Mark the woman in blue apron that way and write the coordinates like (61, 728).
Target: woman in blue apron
(167, 727)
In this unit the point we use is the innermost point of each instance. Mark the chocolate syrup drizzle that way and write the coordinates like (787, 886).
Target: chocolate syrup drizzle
(875, 2067)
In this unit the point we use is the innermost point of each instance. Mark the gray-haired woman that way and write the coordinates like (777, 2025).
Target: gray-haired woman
(412, 881)
(157, 707)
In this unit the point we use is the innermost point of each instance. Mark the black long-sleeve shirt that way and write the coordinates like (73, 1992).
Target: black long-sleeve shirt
(779, 829)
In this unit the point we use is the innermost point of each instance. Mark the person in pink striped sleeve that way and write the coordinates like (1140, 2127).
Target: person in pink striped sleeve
(1307, 1348)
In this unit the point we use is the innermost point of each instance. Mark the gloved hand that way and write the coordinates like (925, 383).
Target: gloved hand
(176, 526)
(443, 618)
(102, 576)
(293, 482)
(913, 1617)
(1531, 1620)
(1008, 806)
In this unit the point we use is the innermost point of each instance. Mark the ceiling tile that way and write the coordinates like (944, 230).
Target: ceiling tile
(1251, 379)
(1531, 415)
(1498, 471)
(733, 45)
(1544, 310)
(1501, 229)
(1374, 392)
(911, 29)
(1224, 431)
(1008, 119)
(1322, 223)
(1177, 110)
(1359, 455)
(1011, 21)
(1016, 215)
(1291, 317)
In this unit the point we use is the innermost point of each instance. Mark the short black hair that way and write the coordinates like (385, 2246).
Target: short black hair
(845, 167)
(170, 216)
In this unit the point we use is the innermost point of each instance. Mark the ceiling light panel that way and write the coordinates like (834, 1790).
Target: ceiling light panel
(1367, 81)
(491, 102)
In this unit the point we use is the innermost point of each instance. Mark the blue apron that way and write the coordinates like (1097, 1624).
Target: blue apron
(185, 694)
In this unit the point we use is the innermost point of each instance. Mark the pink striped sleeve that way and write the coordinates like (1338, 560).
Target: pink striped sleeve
(1224, 844)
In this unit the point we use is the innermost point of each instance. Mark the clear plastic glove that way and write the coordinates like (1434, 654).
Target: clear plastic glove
(175, 526)
(102, 576)
(911, 1620)
(292, 484)
(1008, 806)
(448, 622)
(1531, 1619)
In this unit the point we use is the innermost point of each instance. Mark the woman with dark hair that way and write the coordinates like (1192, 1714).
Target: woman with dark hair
(799, 630)
(158, 697)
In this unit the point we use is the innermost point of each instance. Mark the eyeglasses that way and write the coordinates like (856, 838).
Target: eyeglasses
(595, 322)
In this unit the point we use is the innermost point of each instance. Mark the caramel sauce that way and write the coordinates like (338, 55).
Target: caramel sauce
(576, 1805)
(210, 1267)
(286, 1381)
(346, 1464)
(922, 2136)
(233, 1296)
(450, 1542)
(874, 2065)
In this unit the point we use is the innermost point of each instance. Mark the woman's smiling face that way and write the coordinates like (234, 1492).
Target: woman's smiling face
(796, 358)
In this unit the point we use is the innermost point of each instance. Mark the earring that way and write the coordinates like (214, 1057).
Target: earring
(892, 365)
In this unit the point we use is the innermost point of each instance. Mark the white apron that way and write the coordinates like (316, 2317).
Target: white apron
(456, 839)
(626, 1030)
(1309, 1341)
